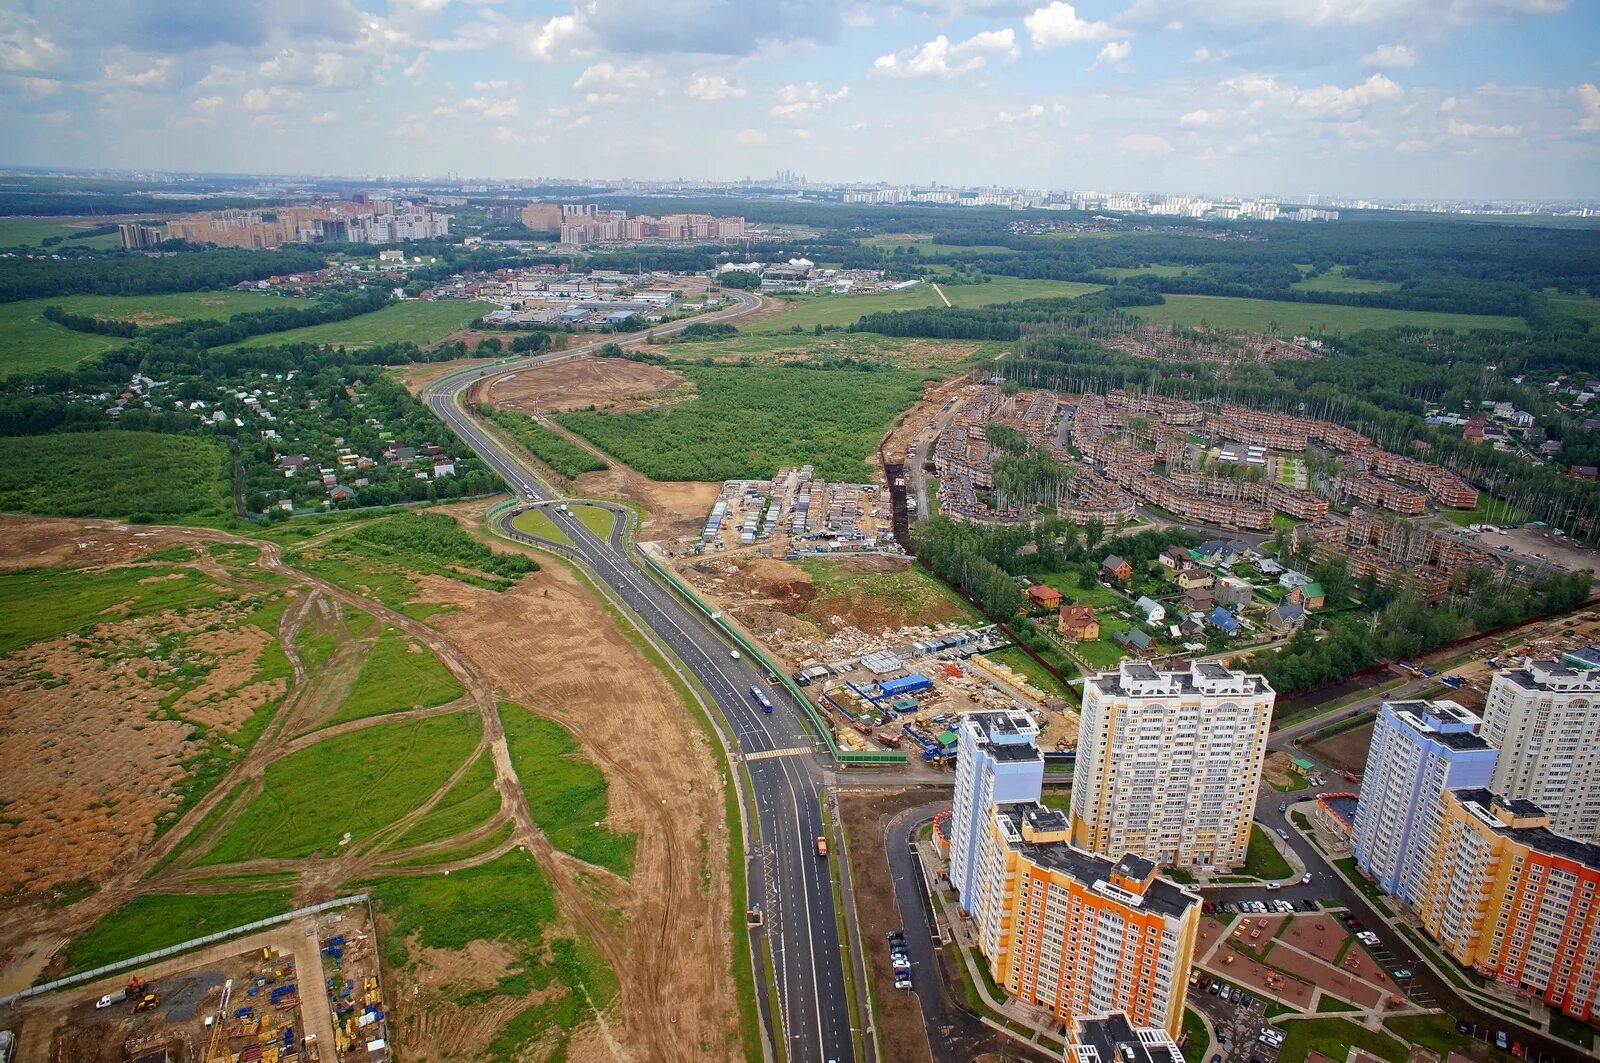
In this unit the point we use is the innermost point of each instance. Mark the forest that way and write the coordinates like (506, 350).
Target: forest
(122, 273)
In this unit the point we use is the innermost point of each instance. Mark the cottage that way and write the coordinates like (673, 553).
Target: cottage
(293, 463)
(1174, 557)
(1311, 596)
(1044, 597)
(1287, 617)
(1114, 567)
(1078, 623)
(340, 493)
(1153, 610)
(1132, 639)
(1233, 592)
(1194, 576)
(1190, 628)
(1223, 620)
(1212, 552)
(443, 467)
(1292, 580)
(1197, 600)
(1268, 567)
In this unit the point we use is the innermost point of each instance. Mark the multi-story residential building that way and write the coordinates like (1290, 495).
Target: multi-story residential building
(1169, 763)
(1113, 1039)
(1516, 900)
(1545, 718)
(1075, 933)
(996, 762)
(1419, 750)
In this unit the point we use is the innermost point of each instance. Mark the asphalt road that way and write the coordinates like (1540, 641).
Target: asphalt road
(787, 879)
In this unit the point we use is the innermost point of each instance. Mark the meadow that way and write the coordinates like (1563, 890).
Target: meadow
(399, 673)
(746, 423)
(538, 522)
(136, 476)
(29, 343)
(1336, 280)
(470, 802)
(911, 595)
(42, 603)
(943, 356)
(842, 310)
(1267, 315)
(415, 321)
(354, 783)
(555, 450)
(33, 231)
(158, 920)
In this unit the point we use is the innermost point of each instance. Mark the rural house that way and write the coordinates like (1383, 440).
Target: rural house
(1287, 617)
(1114, 567)
(1078, 623)
(1044, 597)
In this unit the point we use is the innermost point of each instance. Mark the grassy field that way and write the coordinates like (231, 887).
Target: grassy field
(1155, 269)
(353, 783)
(17, 232)
(29, 343)
(399, 673)
(908, 596)
(1262, 859)
(470, 802)
(1334, 1038)
(936, 355)
(1336, 280)
(746, 423)
(1196, 1039)
(138, 476)
(414, 320)
(566, 793)
(538, 522)
(597, 519)
(1015, 659)
(847, 309)
(38, 604)
(158, 920)
(1587, 309)
(555, 450)
(1259, 315)
(1489, 510)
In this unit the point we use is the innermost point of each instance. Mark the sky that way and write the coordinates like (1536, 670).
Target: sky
(1445, 99)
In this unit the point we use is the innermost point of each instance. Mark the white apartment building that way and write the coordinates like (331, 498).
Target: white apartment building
(1169, 763)
(1545, 718)
(996, 762)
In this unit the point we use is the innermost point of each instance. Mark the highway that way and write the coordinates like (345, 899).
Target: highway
(788, 881)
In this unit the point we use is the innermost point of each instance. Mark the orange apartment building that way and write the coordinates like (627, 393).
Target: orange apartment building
(1077, 934)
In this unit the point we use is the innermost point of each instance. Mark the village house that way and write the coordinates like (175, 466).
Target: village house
(1198, 600)
(1174, 557)
(1233, 592)
(1153, 610)
(1133, 639)
(1115, 567)
(1041, 596)
(1193, 577)
(1078, 623)
(1287, 617)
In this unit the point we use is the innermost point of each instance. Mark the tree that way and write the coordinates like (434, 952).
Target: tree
(1094, 531)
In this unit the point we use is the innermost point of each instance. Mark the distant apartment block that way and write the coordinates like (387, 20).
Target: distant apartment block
(1078, 934)
(1419, 750)
(1545, 719)
(1169, 763)
(379, 222)
(606, 226)
(137, 236)
(996, 762)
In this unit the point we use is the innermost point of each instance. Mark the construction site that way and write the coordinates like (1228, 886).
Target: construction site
(304, 992)
(797, 515)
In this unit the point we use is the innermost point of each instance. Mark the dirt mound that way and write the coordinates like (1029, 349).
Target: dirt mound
(613, 384)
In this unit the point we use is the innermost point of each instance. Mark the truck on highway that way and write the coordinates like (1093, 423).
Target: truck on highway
(822, 846)
(761, 699)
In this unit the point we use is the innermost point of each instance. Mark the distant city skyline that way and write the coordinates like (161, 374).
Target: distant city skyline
(1386, 99)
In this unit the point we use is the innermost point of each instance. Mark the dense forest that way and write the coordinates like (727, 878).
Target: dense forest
(121, 273)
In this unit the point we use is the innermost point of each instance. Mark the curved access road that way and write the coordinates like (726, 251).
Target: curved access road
(788, 880)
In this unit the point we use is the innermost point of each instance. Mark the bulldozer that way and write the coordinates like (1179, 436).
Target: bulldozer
(148, 1002)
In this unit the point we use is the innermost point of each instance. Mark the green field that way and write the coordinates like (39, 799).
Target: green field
(158, 920)
(470, 802)
(554, 449)
(925, 244)
(847, 309)
(1262, 859)
(1334, 1038)
(566, 793)
(42, 603)
(746, 423)
(941, 355)
(356, 783)
(597, 519)
(400, 673)
(1015, 659)
(1489, 510)
(538, 522)
(1260, 315)
(29, 343)
(15, 232)
(138, 476)
(1579, 307)
(1336, 280)
(909, 596)
(414, 320)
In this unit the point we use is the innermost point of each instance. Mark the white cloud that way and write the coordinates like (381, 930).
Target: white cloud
(116, 75)
(1337, 13)
(1477, 131)
(491, 105)
(1145, 144)
(38, 88)
(1058, 23)
(325, 118)
(1114, 54)
(941, 59)
(750, 138)
(712, 87)
(609, 83)
(563, 37)
(1391, 57)
(206, 104)
(1447, 104)
(804, 98)
(1201, 117)
(1206, 55)
(1333, 100)
(1589, 98)
(1033, 111)
(417, 69)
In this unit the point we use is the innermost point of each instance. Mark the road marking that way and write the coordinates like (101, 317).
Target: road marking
(767, 753)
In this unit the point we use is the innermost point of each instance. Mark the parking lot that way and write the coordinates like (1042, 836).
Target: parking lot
(1238, 1021)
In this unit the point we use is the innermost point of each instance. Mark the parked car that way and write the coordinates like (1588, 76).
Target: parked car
(902, 981)
(1464, 1028)
(1305, 879)
(1284, 807)
(1501, 1041)
(1222, 1035)
(1403, 972)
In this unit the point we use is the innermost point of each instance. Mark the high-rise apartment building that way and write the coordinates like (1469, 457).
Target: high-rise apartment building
(1113, 1039)
(996, 762)
(1419, 750)
(1545, 719)
(1517, 901)
(1075, 933)
(1169, 763)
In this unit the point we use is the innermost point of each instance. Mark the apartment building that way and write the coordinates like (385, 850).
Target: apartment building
(1419, 750)
(1169, 763)
(1113, 1039)
(1545, 719)
(1079, 934)
(1516, 900)
(996, 762)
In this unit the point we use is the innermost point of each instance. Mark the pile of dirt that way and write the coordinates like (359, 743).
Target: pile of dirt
(613, 384)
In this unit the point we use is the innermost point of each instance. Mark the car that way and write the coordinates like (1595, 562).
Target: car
(1464, 1028)
(1217, 1058)
(896, 935)
(1501, 1041)
(1214, 989)
(1283, 834)
(1209, 907)
(1308, 905)
(1305, 879)
(1222, 1035)
(1247, 1000)
(903, 983)
(1272, 886)
(734, 654)
(1403, 972)
(1283, 807)
(1516, 1049)
(901, 964)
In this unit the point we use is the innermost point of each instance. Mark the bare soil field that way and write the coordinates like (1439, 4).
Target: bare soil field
(48, 542)
(675, 508)
(913, 423)
(613, 384)
(418, 375)
(1346, 751)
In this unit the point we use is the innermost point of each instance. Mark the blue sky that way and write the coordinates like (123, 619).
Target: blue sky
(1380, 98)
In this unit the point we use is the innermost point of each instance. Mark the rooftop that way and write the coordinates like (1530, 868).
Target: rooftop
(1113, 1039)
(1161, 897)
(1483, 801)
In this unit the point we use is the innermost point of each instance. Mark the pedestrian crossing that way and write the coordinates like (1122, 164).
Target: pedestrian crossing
(767, 754)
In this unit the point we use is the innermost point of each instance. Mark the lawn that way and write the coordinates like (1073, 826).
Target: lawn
(566, 792)
(1334, 1038)
(1104, 653)
(597, 519)
(1578, 306)
(1262, 859)
(811, 311)
(32, 231)
(1569, 1029)
(353, 783)
(910, 595)
(554, 449)
(41, 603)
(1261, 315)
(943, 356)
(1196, 1038)
(157, 920)
(1014, 658)
(1336, 280)
(470, 802)
(415, 320)
(1368, 888)
(1328, 1005)
(1489, 510)
(399, 673)
(746, 423)
(538, 522)
(137, 476)
(29, 343)
(1438, 1033)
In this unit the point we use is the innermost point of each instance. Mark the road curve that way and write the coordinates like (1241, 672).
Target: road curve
(786, 878)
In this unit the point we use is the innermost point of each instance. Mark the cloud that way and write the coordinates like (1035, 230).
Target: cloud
(610, 83)
(561, 38)
(1114, 54)
(941, 59)
(1448, 104)
(492, 105)
(206, 104)
(1476, 131)
(1329, 14)
(804, 98)
(1589, 99)
(1390, 57)
(116, 75)
(1333, 100)
(1058, 23)
(1206, 55)
(38, 88)
(1145, 144)
(1201, 117)
(712, 87)
(1033, 111)
(271, 98)
(750, 138)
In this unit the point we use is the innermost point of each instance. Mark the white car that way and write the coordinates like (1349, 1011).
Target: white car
(734, 654)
